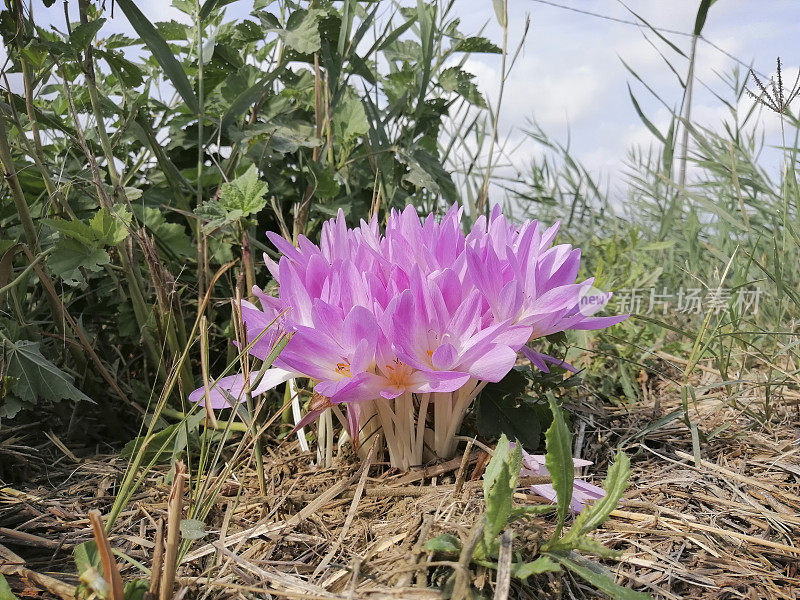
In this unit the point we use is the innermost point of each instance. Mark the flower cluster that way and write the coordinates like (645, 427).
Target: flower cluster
(406, 328)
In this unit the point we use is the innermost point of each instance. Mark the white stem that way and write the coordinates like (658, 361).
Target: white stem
(301, 434)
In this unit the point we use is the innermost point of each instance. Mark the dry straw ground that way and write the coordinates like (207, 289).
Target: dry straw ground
(725, 527)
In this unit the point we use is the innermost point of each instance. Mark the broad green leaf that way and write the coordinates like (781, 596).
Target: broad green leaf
(444, 543)
(614, 484)
(558, 461)
(36, 377)
(543, 564)
(86, 556)
(171, 238)
(5, 590)
(77, 230)
(84, 33)
(323, 181)
(244, 194)
(172, 68)
(209, 5)
(71, 256)
(193, 529)
(215, 215)
(503, 408)
(588, 545)
(302, 31)
(599, 579)
(111, 229)
(349, 118)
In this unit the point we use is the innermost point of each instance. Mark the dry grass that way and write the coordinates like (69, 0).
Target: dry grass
(724, 528)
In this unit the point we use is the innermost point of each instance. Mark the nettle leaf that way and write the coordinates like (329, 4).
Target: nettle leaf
(36, 377)
(558, 461)
(244, 194)
(425, 170)
(214, 215)
(476, 44)
(302, 31)
(84, 33)
(111, 229)
(349, 118)
(171, 237)
(71, 256)
(459, 81)
(323, 180)
(444, 543)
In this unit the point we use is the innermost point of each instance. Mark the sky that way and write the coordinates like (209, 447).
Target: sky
(570, 77)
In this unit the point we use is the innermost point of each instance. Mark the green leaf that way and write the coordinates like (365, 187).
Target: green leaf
(84, 33)
(558, 461)
(614, 484)
(476, 44)
(5, 590)
(594, 574)
(702, 14)
(349, 118)
(499, 482)
(111, 228)
(210, 5)
(502, 408)
(77, 230)
(302, 31)
(161, 51)
(323, 180)
(543, 564)
(444, 543)
(653, 129)
(36, 377)
(86, 557)
(459, 81)
(500, 12)
(590, 546)
(193, 529)
(244, 194)
(531, 509)
(71, 256)
(136, 589)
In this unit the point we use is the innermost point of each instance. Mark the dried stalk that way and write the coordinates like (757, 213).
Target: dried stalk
(174, 514)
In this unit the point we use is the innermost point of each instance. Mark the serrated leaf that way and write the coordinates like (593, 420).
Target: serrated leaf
(476, 44)
(193, 529)
(244, 194)
(5, 590)
(350, 119)
(459, 81)
(36, 377)
(302, 31)
(444, 543)
(111, 229)
(71, 255)
(543, 564)
(599, 579)
(558, 461)
(84, 33)
(77, 230)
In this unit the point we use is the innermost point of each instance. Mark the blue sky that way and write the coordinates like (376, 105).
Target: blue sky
(570, 76)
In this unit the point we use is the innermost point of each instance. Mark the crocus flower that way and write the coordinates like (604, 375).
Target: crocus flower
(404, 328)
